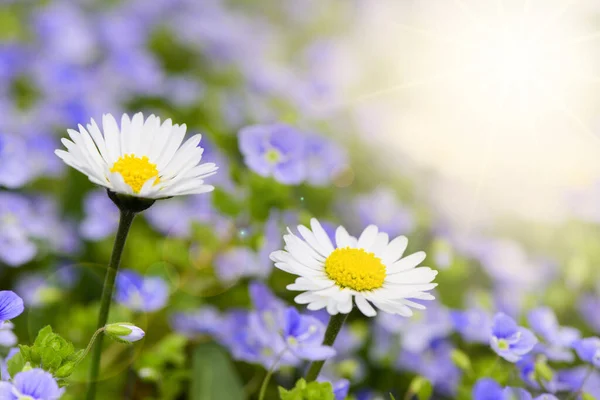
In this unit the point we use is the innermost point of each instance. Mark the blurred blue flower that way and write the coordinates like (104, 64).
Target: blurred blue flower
(474, 324)
(276, 150)
(557, 340)
(11, 306)
(14, 168)
(5, 376)
(204, 321)
(273, 332)
(141, 293)
(526, 367)
(588, 350)
(419, 332)
(579, 378)
(489, 389)
(242, 262)
(33, 384)
(382, 208)
(19, 229)
(7, 336)
(324, 159)
(435, 363)
(177, 217)
(588, 306)
(101, 216)
(303, 335)
(239, 262)
(37, 290)
(509, 340)
(340, 388)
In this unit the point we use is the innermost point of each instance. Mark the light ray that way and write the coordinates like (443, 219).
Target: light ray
(566, 110)
(429, 34)
(389, 91)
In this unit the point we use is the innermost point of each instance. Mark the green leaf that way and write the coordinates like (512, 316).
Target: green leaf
(461, 360)
(42, 335)
(51, 352)
(213, 375)
(543, 371)
(587, 396)
(421, 387)
(392, 397)
(15, 365)
(308, 391)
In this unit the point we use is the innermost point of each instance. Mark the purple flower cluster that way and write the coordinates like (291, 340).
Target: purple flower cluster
(30, 224)
(141, 293)
(270, 334)
(289, 155)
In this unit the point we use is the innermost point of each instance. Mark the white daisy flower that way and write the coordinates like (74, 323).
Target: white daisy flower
(142, 158)
(369, 270)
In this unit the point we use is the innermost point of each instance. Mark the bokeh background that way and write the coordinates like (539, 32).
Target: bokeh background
(472, 127)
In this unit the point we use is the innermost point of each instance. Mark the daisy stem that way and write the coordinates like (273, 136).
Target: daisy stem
(333, 328)
(125, 221)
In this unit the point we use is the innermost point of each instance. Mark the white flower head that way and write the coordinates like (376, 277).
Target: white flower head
(141, 158)
(124, 332)
(370, 270)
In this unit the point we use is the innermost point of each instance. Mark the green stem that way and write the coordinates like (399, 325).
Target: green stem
(333, 328)
(89, 346)
(265, 384)
(107, 292)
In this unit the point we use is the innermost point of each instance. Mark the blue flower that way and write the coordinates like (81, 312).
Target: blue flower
(382, 208)
(324, 159)
(7, 336)
(35, 384)
(489, 389)
(275, 150)
(588, 350)
(11, 306)
(303, 335)
(579, 378)
(205, 321)
(588, 307)
(141, 293)
(557, 339)
(474, 325)
(435, 363)
(101, 216)
(509, 340)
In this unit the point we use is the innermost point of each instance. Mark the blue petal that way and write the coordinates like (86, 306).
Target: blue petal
(11, 305)
(503, 326)
(487, 389)
(6, 391)
(38, 384)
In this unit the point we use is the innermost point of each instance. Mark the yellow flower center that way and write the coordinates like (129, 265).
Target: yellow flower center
(135, 170)
(355, 269)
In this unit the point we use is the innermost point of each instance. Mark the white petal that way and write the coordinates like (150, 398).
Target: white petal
(415, 275)
(394, 250)
(342, 238)
(406, 263)
(364, 306)
(312, 241)
(321, 236)
(367, 238)
(111, 138)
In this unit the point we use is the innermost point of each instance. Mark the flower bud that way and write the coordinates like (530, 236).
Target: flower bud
(124, 332)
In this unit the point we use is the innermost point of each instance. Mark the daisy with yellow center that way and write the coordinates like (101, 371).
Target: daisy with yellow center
(141, 158)
(369, 271)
